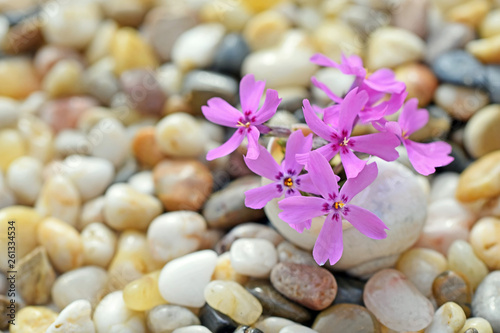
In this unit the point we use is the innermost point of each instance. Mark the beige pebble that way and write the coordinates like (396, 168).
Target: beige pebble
(486, 50)
(129, 51)
(33, 319)
(12, 146)
(75, 318)
(233, 17)
(100, 46)
(92, 211)
(462, 259)
(481, 179)
(265, 29)
(460, 102)
(35, 277)
(224, 271)
(448, 318)
(38, 137)
(332, 38)
(143, 294)
(273, 324)
(112, 315)
(64, 79)
(490, 26)
(485, 240)
(18, 78)
(62, 242)
(470, 13)
(24, 178)
(109, 141)
(479, 324)
(482, 131)
(145, 148)
(9, 112)
(99, 244)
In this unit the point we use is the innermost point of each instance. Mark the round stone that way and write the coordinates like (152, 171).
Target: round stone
(24, 178)
(99, 244)
(476, 325)
(420, 82)
(485, 240)
(462, 259)
(345, 318)
(33, 319)
(75, 318)
(63, 79)
(63, 113)
(143, 294)
(145, 148)
(265, 30)
(253, 257)
(451, 286)
(112, 315)
(482, 131)
(486, 300)
(143, 182)
(167, 318)
(480, 179)
(460, 102)
(18, 78)
(448, 318)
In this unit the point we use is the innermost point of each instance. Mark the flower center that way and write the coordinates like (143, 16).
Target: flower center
(288, 182)
(246, 125)
(405, 135)
(345, 141)
(338, 205)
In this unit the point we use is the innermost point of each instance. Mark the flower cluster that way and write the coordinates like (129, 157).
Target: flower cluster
(304, 180)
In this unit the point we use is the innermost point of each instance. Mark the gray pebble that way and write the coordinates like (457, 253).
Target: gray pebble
(459, 67)
(230, 54)
(486, 300)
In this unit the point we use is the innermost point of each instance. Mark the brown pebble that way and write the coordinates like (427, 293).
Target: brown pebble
(24, 37)
(481, 179)
(64, 113)
(420, 81)
(145, 147)
(451, 286)
(143, 91)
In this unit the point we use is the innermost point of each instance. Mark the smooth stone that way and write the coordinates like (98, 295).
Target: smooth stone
(175, 234)
(493, 82)
(33, 319)
(412, 15)
(63, 113)
(334, 37)
(7, 197)
(248, 230)
(145, 147)
(35, 277)
(486, 300)
(63, 79)
(128, 168)
(92, 212)
(476, 325)
(99, 81)
(224, 270)
(273, 324)
(449, 318)
(247, 329)
(448, 37)
(265, 29)
(74, 318)
(192, 329)
(143, 91)
(183, 280)
(143, 294)
(100, 45)
(230, 54)
(390, 47)
(12, 147)
(443, 186)
(438, 126)
(480, 179)
(462, 259)
(99, 244)
(129, 50)
(69, 141)
(485, 50)
(49, 55)
(178, 135)
(482, 131)
(485, 240)
(196, 47)
(297, 329)
(128, 13)
(470, 12)
(112, 315)
(396, 302)
(312, 287)
(9, 113)
(253, 257)
(170, 77)
(349, 290)
(460, 102)
(291, 102)
(490, 26)
(23, 37)
(216, 321)
(233, 16)
(420, 82)
(24, 178)
(287, 252)
(143, 182)
(182, 184)
(167, 318)
(126, 208)
(422, 266)
(109, 141)
(459, 67)
(274, 304)
(18, 78)
(451, 286)
(226, 208)
(346, 318)
(38, 137)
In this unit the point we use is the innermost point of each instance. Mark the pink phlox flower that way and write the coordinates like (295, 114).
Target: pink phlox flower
(377, 85)
(424, 157)
(286, 178)
(335, 204)
(247, 122)
(382, 145)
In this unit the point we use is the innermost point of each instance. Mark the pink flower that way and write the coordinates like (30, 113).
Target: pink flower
(382, 145)
(247, 122)
(286, 177)
(424, 157)
(335, 204)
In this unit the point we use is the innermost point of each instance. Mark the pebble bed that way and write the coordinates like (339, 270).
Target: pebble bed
(123, 226)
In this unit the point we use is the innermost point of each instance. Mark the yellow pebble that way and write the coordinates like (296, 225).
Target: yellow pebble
(481, 179)
(485, 240)
(470, 13)
(64, 79)
(487, 50)
(143, 294)
(33, 319)
(490, 26)
(257, 5)
(130, 51)
(225, 271)
(480, 324)
(17, 78)
(462, 259)
(12, 146)
(265, 30)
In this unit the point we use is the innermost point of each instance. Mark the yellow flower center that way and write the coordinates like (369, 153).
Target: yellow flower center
(338, 205)
(405, 135)
(345, 142)
(288, 182)
(246, 125)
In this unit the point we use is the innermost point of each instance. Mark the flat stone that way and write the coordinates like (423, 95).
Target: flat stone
(459, 67)
(216, 321)
(480, 179)
(35, 277)
(230, 54)
(167, 318)
(346, 318)
(253, 257)
(485, 242)
(451, 286)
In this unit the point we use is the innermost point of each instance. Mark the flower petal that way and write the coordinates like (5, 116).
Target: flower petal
(299, 209)
(250, 92)
(322, 175)
(384, 80)
(352, 164)
(425, 157)
(328, 151)
(382, 145)
(299, 227)
(253, 150)
(221, 112)
(329, 245)
(355, 185)
(304, 183)
(228, 147)
(297, 144)
(365, 221)
(349, 109)
(326, 90)
(412, 118)
(331, 115)
(269, 108)
(264, 165)
(315, 124)
(257, 198)
(323, 60)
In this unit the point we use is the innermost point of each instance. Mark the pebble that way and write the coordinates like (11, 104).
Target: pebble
(349, 290)
(486, 300)
(230, 54)
(143, 91)
(143, 182)
(422, 266)
(74, 318)
(391, 46)
(274, 304)
(192, 329)
(396, 302)
(38, 137)
(128, 168)
(130, 13)
(247, 329)
(145, 148)
(493, 82)
(183, 280)
(438, 126)
(332, 37)
(63, 79)
(143, 294)
(18, 78)
(312, 287)
(7, 198)
(23, 37)
(273, 324)
(24, 178)
(99, 81)
(226, 208)
(9, 114)
(233, 16)
(485, 240)
(485, 50)
(470, 12)
(476, 325)
(182, 184)
(482, 131)
(100, 45)
(233, 300)
(448, 37)
(196, 47)
(49, 55)
(253, 257)
(451, 286)
(129, 51)
(296, 329)
(490, 26)
(99, 244)
(126, 208)
(59, 198)
(346, 318)
(92, 211)
(109, 141)
(462, 259)
(287, 252)
(175, 234)
(478, 181)
(265, 29)
(33, 319)
(421, 82)
(460, 102)
(69, 141)
(216, 321)
(167, 318)
(12, 146)
(112, 315)
(178, 135)
(449, 318)
(35, 277)
(63, 113)
(412, 15)
(248, 230)
(459, 67)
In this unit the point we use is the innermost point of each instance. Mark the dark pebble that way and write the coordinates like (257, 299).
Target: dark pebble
(230, 54)
(461, 68)
(350, 290)
(493, 82)
(216, 321)
(451, 286)
(460, 160)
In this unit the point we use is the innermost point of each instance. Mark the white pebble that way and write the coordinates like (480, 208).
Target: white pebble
(253, 257)
(9, 110)
(183, 280)
(338, 82)
(297, 329)
(75, 318)
(109, 141)
(99, 244)
(193, 329)
(169, 77)
(180, 135)
(24, 178)
(113, 316)
(172, 235)
(92, 211)
(273, 324)
(7, 197)
(70, 141)
(143, 182)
